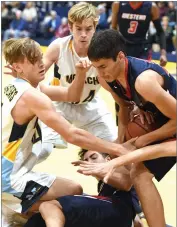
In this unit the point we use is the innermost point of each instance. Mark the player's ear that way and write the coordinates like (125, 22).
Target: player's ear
(120, 56)
(17, 67)
(70, 27)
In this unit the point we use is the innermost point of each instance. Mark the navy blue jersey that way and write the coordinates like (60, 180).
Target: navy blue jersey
(134, 67)
(134, 23)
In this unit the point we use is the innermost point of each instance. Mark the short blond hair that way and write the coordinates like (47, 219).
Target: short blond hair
(16, 50)
(81, 11)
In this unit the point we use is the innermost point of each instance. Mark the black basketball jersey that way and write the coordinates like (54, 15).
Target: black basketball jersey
(134, 23)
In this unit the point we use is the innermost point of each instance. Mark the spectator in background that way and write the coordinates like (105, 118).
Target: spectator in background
(29, 11)
(29, 29)
(6, 16)
(63, 29)
(16, 26)
(52, 25)
(171, 13)
(103, 19)
(168, 33)
(162, 8)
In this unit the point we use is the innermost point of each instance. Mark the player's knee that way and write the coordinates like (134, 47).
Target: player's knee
(47, 206)
(76, 189)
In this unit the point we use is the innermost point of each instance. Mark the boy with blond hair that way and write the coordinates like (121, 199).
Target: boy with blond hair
(90, 113)
(25, 101)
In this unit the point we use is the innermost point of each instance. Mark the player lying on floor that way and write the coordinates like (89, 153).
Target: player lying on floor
(164, 149)
(112, 207)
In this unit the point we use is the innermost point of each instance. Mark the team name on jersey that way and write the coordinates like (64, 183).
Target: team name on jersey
(89, 80)
(10, 91)
(131, 16)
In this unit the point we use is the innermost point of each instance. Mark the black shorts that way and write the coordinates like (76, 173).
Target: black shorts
(142, 50)
(160, 166)
(91, 212)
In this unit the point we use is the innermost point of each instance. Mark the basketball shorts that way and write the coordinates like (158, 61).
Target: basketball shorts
(92, 117)
(90, 211)
(160, 166)
(27, 190)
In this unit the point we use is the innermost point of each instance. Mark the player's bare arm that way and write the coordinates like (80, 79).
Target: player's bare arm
(124, 112)
(74, 91)
(115, 10)
(120, 179)
(146, 153)
(51, 55)
(166, 103)
(156, 21)
(41, 106)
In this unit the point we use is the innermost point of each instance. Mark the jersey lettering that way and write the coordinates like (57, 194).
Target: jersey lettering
(133, 27)
(37, 135)
(10, 91)
(90, 96)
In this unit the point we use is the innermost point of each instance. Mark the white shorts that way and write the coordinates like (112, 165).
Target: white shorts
(92, 117)
(28, 189)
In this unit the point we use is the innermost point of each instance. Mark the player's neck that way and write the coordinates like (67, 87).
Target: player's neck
(81, 52)
(32, 84)
(121, 75)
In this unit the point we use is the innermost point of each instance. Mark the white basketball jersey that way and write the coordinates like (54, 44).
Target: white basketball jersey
(17, 140)
(66, 63)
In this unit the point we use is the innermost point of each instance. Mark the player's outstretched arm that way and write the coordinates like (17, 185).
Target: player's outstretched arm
(40, 105)
(74, 91)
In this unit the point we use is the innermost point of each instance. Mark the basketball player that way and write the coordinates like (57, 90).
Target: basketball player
(151, 88)
(132, 19)
(90, 113)
(112, 207)
(165, 149)
(24, 103)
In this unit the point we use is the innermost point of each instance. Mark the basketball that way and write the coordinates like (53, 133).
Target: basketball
(136, 128)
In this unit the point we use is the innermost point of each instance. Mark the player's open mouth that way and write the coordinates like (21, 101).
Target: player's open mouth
(42, 71)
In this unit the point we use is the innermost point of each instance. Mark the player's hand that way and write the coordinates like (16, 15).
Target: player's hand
(163, 60)
(83, 66)
(98, 170)
(143, 115)
(130, 145)
(11, 72)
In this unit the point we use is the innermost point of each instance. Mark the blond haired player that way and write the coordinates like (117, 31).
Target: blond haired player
(23, 104)
(90, 113)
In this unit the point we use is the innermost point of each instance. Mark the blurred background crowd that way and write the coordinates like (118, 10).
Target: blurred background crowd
(46, 21)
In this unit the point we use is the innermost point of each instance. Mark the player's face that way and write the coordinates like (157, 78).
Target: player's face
(83, 32)
(107, 69)
(94, 157)
(35, 73)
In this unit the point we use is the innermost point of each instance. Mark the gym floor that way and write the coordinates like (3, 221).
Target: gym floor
(59, 162)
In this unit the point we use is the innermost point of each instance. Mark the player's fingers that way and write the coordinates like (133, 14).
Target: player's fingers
(108, 175)
(142, 118)
(131, 116)
(148, 118)
(8, 66)
(8, 73)
(152, 117)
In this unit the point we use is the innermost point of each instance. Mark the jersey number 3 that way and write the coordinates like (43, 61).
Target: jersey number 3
(133, 27)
